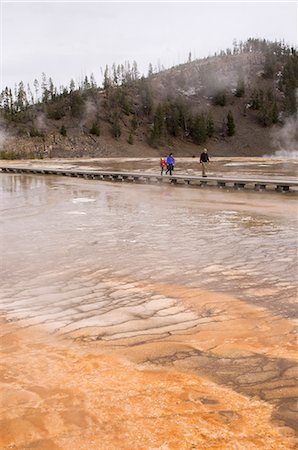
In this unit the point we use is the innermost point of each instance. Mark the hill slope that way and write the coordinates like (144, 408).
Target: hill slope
(235, 103)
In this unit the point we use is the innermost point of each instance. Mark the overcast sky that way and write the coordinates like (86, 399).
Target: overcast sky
(71, 39)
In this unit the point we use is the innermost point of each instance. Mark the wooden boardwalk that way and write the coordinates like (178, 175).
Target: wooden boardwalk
(280, 184)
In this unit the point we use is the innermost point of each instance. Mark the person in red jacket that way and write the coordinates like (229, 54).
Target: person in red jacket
(163, 165)
(204, 159)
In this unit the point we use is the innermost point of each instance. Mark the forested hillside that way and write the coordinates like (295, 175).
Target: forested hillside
(235, 103)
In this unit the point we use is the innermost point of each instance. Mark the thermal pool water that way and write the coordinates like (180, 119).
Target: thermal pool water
(146, 317)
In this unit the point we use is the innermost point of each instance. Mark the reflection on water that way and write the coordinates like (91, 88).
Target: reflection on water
(159, 230)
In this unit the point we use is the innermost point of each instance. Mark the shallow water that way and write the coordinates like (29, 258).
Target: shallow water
(191, 280)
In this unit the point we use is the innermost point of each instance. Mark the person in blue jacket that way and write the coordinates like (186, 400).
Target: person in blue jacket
(170, 163)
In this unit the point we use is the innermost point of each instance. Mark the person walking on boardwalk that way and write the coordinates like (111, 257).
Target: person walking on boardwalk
(170, 164)
(204, 159)
(162, 164)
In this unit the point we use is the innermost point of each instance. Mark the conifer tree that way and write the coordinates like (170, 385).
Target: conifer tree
(210, 126)
(51, 89)
(150, 70)
(199, 129)
(92, 81)
(158, 123)
(30, 94)
(36, 89)
(240, 90)
(230, 124)
(274, 113)
(95, 129)
(106, 79)
(146, 97)
(115, 75)
(220, 98)
(6, 101)
(11, 103)
(63, 131)
(72, 85)
(21, 102)
(86, 84)
(116, 129)
(135, 71)
(44, 89)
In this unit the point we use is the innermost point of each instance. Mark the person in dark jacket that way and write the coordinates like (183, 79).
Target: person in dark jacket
(170, 163)
(204, 159)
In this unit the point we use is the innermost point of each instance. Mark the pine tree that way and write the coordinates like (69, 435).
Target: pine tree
(76, 104)
(30, 94)
(274, 113)
(115, 75)
(199, 129)
(240, 90)
(116, 129)
(269, 66)
(210, 126)
(150, 70)
(36, 88)
(51, 89)
(135, 71)
(21, 102)
(6, 101)
(86, 84)
(92, 81)
(72, 85)
(11, 103)
(146, 97)
(95, 129)
(63, 131)
(220, 98)
(230, 124)
(44, 89)
(158, 123)
(106, 79)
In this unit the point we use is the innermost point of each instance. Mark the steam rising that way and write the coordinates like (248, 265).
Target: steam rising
(286, 139)
(40, 121)
(3, 136)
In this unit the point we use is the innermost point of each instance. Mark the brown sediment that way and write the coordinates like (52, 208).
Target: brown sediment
(56, 395)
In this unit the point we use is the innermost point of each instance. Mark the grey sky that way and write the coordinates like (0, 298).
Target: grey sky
(70, 39)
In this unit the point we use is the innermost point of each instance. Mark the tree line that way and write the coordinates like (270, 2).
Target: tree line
(127, 93)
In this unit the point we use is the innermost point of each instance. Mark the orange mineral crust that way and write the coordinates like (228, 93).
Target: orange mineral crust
(56, 395)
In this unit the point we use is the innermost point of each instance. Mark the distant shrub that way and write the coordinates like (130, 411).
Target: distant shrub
(95, 129)
(10, 154)
(130, 139)
(134, 123)
(35, 132)
(220, 99)
(56, 111)
(63, 130)
(240, 90)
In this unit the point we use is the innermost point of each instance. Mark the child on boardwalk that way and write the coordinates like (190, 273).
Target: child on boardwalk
(162, 164)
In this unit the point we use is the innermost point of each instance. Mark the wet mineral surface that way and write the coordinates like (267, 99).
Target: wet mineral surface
(147, 317)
